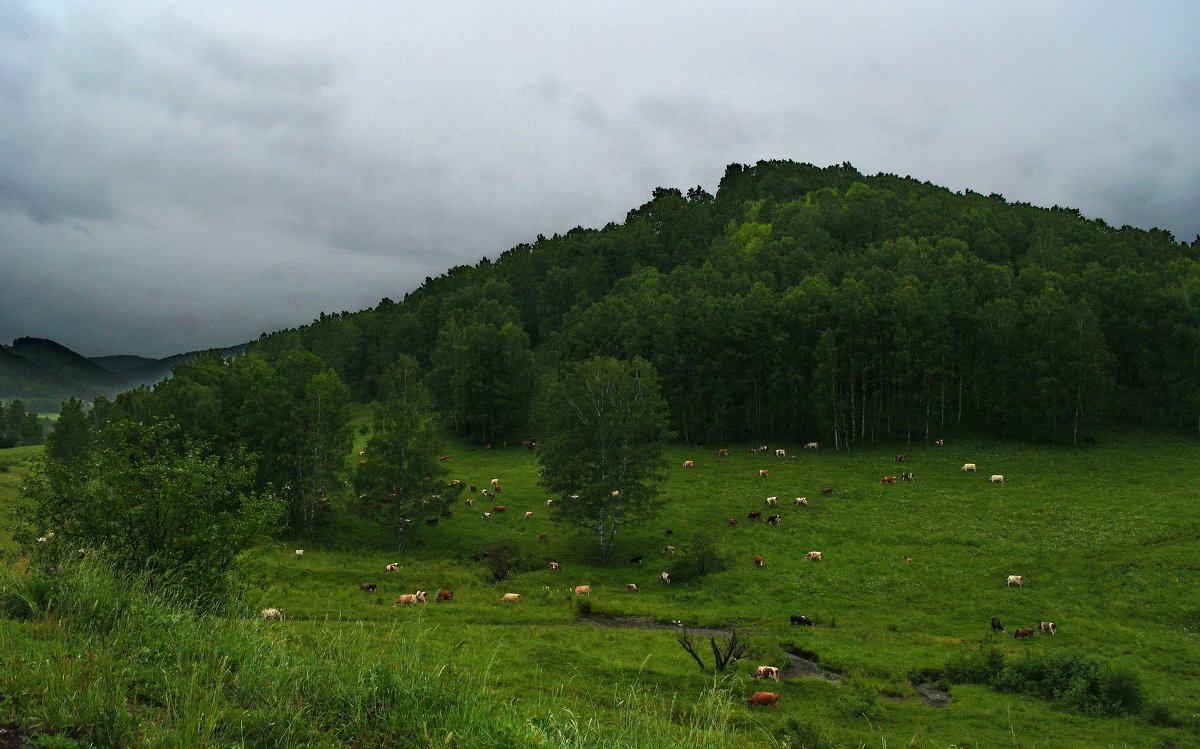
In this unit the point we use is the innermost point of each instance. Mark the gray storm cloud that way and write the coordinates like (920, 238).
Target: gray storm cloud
(190, 175)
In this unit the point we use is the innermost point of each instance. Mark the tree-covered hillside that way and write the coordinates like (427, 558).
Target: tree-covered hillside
(802, 302)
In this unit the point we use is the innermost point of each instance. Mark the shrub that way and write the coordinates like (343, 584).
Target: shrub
(1083, 684)
(979, 666)
(698, 559)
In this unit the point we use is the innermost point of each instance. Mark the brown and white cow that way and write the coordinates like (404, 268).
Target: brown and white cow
(529, 516)
(511, 598)
(811, 446)
(669, 550)
(272, 614)
(664, 577)
(549, 503)
(813, 556)
(723, 452)
(410, 598)
(733, 521)
(801, 501)
(764, 472)
(772, 500)
(555, 566)
(1050, 627)
(392, 567)
(631, 588)
(781, 453)
(1016, 580)
(766, 672)
(583, 590)
(766, 699)
(758, 561)
(689, 464)
(888, 480)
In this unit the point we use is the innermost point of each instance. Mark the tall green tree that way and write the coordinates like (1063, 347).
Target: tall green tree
(71, 436)
(601, 455)
(152, 502)
(397, 480)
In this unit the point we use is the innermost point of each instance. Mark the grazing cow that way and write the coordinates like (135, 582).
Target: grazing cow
(499, 508)
(542, 536)
(555, 566)
(1016, 580)
(495, 482)
(272, 614)
(631, 588)
(445, 595)
(774, 519)
(472, 488)
(487, 515)
(996, 625)
(549, 503)
(780, 453)
(455, 482)
(670, 532)
(615, 493)
(907, 558)
(362, 453)
(940, 443)
(827, 491)
(635, 560)
(529, 516)
(888, 480)
(723, 453)
(764, 472)
(754, 515)
(968, 467)
(758, 561)
(1023, 632)
(583, 590)
(906, 477)
(801, 501)
(765, 699)
(392, 567)
(996, 478)
(813, 555)
(669, 550)
(664, 577)
(772, 500)
(766, 672)
(362, 462)
(762, 448)
(529, 444)
(1050, 627)
(733, 521)
(689, 464)
(299, 552)
(800, 619)
(410, 598)
(901, 458)
(368, 587)
(811, 446)
(443, 459)
(470, 503)
(511, 598)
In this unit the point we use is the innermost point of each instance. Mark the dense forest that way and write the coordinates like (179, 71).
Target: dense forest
(798, 303)
(809, 303)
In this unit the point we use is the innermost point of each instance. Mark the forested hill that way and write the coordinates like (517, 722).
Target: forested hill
(809, 303)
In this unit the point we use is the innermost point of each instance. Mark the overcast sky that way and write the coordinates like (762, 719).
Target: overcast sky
(179, 175)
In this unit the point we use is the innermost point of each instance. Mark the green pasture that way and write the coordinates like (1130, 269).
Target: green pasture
(1107, 539)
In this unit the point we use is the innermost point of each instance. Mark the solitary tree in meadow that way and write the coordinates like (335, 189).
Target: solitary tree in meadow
(604, 424)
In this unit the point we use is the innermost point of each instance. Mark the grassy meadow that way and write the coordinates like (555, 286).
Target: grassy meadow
(1107, 539)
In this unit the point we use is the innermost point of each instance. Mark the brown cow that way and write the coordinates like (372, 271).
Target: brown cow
(733, 521)
(1023, 632)
(723, 453)
(764, 699)
(827, 491)
(888, 480)
(549, 503)
(689, 464)
(529, 516)
(669, 550)
(1050, 627)
(583, 590)
(764, 472)
(511, 598)
(758, 561)
(542, 536)
(445, 595)
(901, 458)
(499, 508)
(754, 515)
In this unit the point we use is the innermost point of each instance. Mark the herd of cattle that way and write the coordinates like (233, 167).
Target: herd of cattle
(761, 672)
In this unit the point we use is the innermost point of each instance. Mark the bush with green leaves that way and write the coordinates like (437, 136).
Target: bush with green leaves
(150, 502)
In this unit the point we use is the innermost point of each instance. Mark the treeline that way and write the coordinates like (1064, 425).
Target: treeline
(802, 302)
(291, 417)
(19, 427)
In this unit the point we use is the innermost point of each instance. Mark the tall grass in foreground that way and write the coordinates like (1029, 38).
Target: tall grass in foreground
(101, 661)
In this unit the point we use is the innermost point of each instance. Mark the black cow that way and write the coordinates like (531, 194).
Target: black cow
(996, 625)
(800, 619)
(774, 519)
(827, 491)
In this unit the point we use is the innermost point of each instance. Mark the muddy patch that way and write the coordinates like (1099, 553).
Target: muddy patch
(932, 696)
(12, 737)
(640, 622)
(799, 667)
